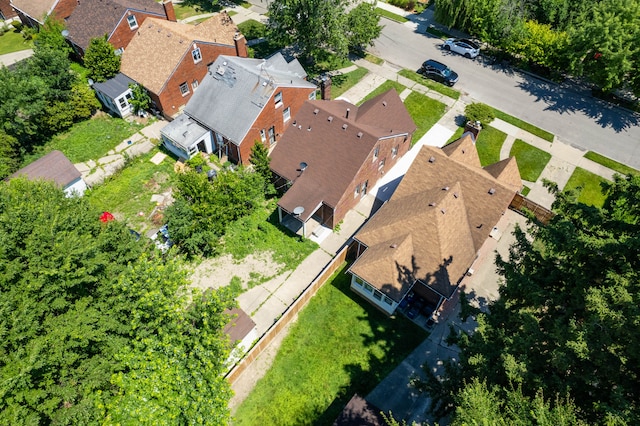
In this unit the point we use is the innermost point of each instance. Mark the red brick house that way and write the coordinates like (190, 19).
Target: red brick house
(332, 152)
(240, 101)
(119, 20)
(423, 241)
(6, 11)
(170, 59)
(34, 12)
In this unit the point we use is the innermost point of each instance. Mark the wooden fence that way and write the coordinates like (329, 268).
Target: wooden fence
(520, 202)
(289, 315)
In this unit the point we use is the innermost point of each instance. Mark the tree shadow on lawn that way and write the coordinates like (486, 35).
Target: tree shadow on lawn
(400, 337)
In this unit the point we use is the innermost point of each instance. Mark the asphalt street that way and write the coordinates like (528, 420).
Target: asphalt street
(575, 117)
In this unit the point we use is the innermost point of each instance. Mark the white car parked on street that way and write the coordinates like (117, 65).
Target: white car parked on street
(462, 46)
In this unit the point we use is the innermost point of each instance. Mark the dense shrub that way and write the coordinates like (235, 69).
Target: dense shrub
(479, 112)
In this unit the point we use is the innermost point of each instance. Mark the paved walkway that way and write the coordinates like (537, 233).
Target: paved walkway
(13, 57)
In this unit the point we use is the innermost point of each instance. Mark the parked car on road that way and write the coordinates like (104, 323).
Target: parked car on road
(462, 46)
(439, 72)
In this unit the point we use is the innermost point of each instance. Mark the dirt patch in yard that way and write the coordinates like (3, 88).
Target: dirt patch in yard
(221, 271)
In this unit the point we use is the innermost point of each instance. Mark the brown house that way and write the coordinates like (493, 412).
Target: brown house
(34, 12)
(240, 101)
(170, 59)
(6, 11)
(425, 239)
(333, 152)
(119, 20)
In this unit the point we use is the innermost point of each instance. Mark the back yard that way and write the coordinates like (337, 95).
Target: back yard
(340, 345)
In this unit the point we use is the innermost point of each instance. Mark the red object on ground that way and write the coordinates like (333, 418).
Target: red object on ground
(106, 217)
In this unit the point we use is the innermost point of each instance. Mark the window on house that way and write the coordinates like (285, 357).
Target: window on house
(381, 165)
(272, 135)
(119, 51)
(312, 95)
(197, 57)
(394, 151)
(123, 102)
(359, 281)
(376, 151)
(133, 23)
(194, 84)
(368, 288)
(357, 191)
(184, 89)
(364, 187)
(388, 301)
(286, 114)
(263, 136)
(377, 295)
(278, 99)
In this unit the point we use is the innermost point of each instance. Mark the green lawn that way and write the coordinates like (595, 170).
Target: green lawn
(262, 232)
(612, 164)
(343, 82)
(389, 84)
(373, 59)
(340, 345)
(524, 125)
(128, 192)
(252, 29)
(433, 85)
(489, 144)
(13, 42)
(587, 185)
(531, 160)
(90, 139)
(425, 112)
(390, 15)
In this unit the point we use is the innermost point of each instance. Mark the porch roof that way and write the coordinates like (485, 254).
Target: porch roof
(184, 132)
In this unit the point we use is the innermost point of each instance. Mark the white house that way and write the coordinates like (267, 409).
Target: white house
(115, 94)
(55, 167)
(185, 138)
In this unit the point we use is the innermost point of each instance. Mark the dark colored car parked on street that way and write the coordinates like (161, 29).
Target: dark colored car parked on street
(439, 72)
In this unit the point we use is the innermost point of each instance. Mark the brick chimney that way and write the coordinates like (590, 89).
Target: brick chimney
(241, 45)
(474, 128)
(168, 10)
(325, 87)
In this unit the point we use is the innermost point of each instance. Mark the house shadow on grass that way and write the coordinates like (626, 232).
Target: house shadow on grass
(389, 342)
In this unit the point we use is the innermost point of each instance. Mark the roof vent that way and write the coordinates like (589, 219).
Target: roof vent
(445, 188)
(316, 111)
(330, 118)
(347, 116)
(443, 211)
(393, 245)
(479, 226)
(300, 126)
(220, 70)
(492, 191)
(432, 159)
(294, 123)
(344, 126)
(359, 135)
(309, 129)
(455, 195)
(432, 204)
(384, 103)
(463, 151)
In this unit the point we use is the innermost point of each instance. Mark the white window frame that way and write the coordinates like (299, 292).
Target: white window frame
(312, 95)
(132, 24)
(381, 164)
(194, 85)
(263, 135)
(272, 135)
(277, 99)
(357, 191)
(377, 294)
(358, 280)
(119, 51)
(122, 101)
(184, 88)
(196, 55)
(286, 114)
(376, 152)
(394, 151)
(368, 287)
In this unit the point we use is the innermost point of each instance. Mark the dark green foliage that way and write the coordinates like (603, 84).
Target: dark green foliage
(567, 319)
(252, 29)
(362, 26)
(89, 324)
(203, 208)
(101, 59)
(260, 160)
(9, 154)
(50, 36)
(140, 101)
(479, 112)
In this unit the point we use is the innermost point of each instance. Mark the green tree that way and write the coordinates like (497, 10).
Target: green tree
(567, 321)
(88, 321)
(49, 36)
(261, 160)
(140, 101)
(312, 25)
(363, 26)
(101, 59)
(9, 155)
(606, 45)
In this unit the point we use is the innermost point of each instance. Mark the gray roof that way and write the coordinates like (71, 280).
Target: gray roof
(54, 166)
(235, 90)
(183, 131)
(115, 86)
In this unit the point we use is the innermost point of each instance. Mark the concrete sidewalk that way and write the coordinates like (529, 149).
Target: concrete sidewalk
(14, 57)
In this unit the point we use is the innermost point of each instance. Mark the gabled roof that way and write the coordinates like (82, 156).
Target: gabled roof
(334, 147)
(115, 86)
(235, 91)
(506, 171)
(54, 167)
(36, 9)
(160, 45)
(463, 150)
(95, 18)
(437, 219)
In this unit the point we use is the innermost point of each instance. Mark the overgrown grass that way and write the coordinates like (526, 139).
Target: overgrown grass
(373, 59)
(489, 143)
(587, 185)
(339, 345)
(433, 85)
(531, 160)
(252, 29)
(327, 61)
(389, 84)
(547, 136)
(89, 140)
(390, 15)
(261, 232)
(425, 112)
(81, 71)
(525, 190)
(12, 41)
(343, 82)
(612, 164)
(128, 193)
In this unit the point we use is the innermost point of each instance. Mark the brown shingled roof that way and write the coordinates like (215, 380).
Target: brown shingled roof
(36, 9)
(334, 154)
(439, 216)
(239, 326)
(54, 167)
(159, 45)
(359, 412)
(95, 18)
